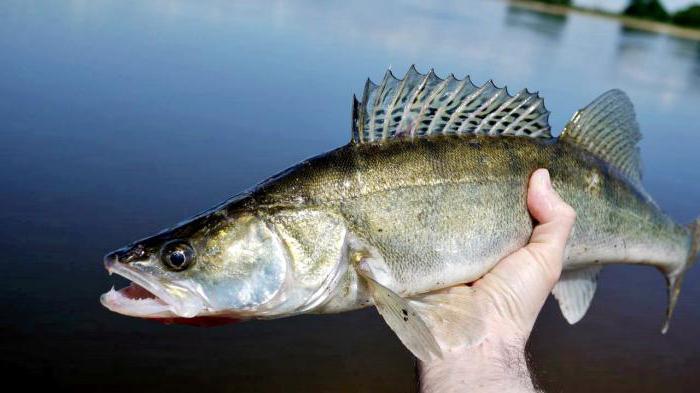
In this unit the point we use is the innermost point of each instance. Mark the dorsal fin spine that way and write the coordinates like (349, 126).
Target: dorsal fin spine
(467, 86)
(500, 121)
(355, 119)
(389, 119)
(403, 97)
(484, 109)
(377, 101)
(526, 103)
(405, 117)
(439, 90)
(490, 86)
(426, 101)
(492, 114)
(542, 117)
(363, 112)
(422, 105)
(433, 127)
(481, 108)
(436, 96)
(505, 105)
(467, 102)
(455, 115)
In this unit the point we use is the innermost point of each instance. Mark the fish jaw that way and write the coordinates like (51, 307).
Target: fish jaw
(148, 306)
(135, 301)
(147, 297)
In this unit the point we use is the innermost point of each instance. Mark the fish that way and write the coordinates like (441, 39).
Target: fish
(429, 193)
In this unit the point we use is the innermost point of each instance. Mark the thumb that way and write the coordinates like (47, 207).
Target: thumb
(519, 285)
(555, 219)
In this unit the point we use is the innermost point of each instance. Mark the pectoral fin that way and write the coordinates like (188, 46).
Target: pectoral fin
(430, 324)
(574, 292)
(404, 319)
(453, 315)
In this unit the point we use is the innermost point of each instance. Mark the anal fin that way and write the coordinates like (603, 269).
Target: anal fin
(575, 290)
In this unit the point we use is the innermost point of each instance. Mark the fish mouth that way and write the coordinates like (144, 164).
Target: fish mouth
(146, 297)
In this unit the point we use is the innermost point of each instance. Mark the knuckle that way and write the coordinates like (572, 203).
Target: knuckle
(567, 213)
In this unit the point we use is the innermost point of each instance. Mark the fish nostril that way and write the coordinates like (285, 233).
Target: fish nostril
(134, 253)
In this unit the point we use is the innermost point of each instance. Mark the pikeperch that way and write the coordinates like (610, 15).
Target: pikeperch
(429, 193)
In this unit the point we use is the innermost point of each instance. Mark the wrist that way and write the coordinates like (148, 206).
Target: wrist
(494, 365)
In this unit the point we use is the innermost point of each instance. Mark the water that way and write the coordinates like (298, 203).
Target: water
(120, 118)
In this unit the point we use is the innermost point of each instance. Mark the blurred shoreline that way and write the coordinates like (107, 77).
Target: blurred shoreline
(627, 21)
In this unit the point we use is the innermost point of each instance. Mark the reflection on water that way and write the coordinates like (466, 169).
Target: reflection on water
(658, 62)
(121, 118)
(548, 25)
(635, 41)
(689, 50)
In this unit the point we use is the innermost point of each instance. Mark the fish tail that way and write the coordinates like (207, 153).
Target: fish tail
(695, 242)
(675, 278)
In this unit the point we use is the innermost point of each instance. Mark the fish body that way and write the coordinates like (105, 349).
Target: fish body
(430, 193)
(444, 211)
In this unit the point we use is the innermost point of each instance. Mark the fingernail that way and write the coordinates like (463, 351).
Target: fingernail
(542, 180)
(547, 180)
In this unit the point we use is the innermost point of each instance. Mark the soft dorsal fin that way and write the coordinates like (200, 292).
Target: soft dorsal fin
(421, 105)
(607, 128)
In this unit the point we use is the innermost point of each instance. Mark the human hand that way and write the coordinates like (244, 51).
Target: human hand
(513, 294)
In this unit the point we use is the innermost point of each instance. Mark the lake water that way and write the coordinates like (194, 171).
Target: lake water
(119, 118)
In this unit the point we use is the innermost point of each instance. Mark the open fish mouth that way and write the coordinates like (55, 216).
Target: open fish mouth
(146, 297)
(136, 301)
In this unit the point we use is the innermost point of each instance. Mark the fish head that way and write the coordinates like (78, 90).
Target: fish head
(238, 265)
(212, 266)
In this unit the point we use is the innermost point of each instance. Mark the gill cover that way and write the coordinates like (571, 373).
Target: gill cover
(274, 264)
(244, 267)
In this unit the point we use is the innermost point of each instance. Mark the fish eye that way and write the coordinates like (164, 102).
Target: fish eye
(177, 255)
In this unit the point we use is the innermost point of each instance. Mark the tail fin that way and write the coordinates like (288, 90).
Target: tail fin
(675, 279)
(695, 242)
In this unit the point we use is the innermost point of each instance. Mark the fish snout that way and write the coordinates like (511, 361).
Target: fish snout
(124, 255)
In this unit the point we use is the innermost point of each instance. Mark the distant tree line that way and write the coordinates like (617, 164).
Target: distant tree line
(652, 10)
(688, 17)
(556, 2)
(647, 9)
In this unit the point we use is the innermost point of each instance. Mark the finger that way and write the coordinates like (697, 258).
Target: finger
(554, 216)
(555, 220)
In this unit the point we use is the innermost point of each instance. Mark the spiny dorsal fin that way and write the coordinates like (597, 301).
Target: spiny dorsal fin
(421, 105)
(608, 129)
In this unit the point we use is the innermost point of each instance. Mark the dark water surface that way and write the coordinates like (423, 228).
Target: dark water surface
(118, 118)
